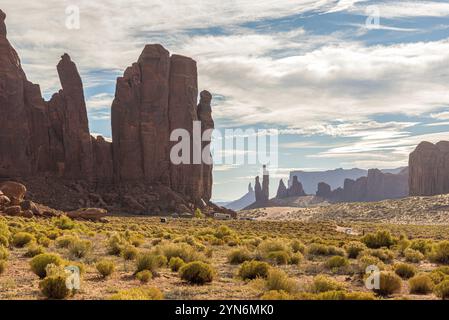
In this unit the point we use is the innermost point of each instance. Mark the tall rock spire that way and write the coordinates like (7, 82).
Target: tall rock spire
(78, 155)
(185, 178)
(282, 190)
(140, 126)
(207, 125)
(266, 184)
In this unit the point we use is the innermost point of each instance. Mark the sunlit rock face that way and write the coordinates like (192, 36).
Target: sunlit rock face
(429, 169)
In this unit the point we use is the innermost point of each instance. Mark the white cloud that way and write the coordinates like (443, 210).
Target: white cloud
(407, 9)
(99, 101)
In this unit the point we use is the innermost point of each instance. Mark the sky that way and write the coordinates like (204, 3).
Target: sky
(345, 83)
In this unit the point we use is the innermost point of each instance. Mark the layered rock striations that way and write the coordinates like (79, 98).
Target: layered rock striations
(429, 169)
(49, 143)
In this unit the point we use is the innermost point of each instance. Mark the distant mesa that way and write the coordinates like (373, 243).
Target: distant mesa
(47, 144)
(376, 186)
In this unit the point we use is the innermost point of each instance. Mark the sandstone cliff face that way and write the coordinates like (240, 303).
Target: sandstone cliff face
(140, 126)
(429, 169)
(156, 95)
(185, 178)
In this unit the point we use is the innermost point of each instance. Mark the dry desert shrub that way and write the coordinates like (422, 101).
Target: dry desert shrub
(40, 262)
(21, 239)
(389, 283)
(105, 267)
(354, 248)
(421, 284)
(442, 290)
(254, 269)
(378, 240)
(33, 250)
(412, 255)
(323, 283)
(404, 270)
(144, 276)
(150, 261)
(278, 280)
(144, 293)
(240, 255)
(176, 263)
(197, 272)
(336, 262)
(440, 253)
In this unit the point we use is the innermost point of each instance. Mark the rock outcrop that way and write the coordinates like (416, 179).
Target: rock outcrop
(282, 190)
(296, 189)
(156, 96)
(429, 169)
(258, 191)
(324, 190)
(375, 187)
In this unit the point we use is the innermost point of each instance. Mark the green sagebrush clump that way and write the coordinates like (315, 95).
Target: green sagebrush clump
(239, 255)
(442, 290)
(278, 280)
(150, 293)
(389, 283)
(54, 286)
(180, 250)
(64, 223)
(150, 261)
(21, 239)
(440, 253)
(250, 270)
(412, 255)
(298, 246)
(323, 283)
(144, 276)
(421, 245)
(40, 262)
(80, 248)
(354, 248)
(197, 272)
(336, 262)
(404, 270)
(421, 284)
(129, 253)
(105, 267)
(33, 250)
(65, 241)
(378, 240)
(319, 249)
(176, 263)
